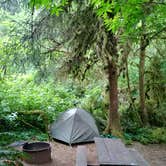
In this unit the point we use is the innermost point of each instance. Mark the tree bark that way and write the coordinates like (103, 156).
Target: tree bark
(128, 81)
(144, 113)
(113, 125)
(126, 52)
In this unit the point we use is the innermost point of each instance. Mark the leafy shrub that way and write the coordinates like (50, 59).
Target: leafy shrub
(159, 135)
(22, 94)
(130, 120)
(21, 99)
(7, 138)
(157, 114)
(94, 102)
(10, 157)
(148, 135)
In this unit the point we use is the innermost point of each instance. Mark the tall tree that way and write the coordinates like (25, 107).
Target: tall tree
(88, 43)
(140, 21)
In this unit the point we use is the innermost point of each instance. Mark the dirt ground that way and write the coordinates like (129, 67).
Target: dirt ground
(63, 155)
(155, 154)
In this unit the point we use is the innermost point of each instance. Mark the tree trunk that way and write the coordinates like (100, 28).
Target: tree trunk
(144, 114)
(126, 51)
(113, 125)
(128, 81)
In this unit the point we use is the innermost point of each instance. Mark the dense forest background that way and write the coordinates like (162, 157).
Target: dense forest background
(107, 57)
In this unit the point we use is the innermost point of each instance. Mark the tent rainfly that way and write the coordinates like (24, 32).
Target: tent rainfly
(74, 126)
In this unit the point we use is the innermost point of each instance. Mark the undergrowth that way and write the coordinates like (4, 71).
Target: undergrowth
(6, 138)
(147, 135)
(23, 104)
(9, 156)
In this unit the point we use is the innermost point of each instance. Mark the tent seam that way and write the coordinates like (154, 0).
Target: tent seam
(72, 127)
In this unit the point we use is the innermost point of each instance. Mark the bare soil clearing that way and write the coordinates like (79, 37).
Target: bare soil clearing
(64, 155)
(155, 154)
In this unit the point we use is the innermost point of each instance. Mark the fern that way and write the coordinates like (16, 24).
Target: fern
(10, 157)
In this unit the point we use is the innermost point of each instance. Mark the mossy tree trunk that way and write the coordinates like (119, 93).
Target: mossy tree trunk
(113, 115)
(113, 125)
(143, 109)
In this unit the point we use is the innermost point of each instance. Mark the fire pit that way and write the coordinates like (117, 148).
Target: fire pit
(38, 152)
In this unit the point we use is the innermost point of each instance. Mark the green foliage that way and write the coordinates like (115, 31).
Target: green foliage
(157, 113)
(147, 135)
(28, 35)
(131, 15)
(55, 7)
(22, 100)
(156, 90)
(13, 47)
(130, 120)
(17, 95)
(7, 138)
(156, 78)
(10, 157)
(95, 103)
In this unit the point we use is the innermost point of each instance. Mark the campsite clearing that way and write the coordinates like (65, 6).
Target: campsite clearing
(64, 155)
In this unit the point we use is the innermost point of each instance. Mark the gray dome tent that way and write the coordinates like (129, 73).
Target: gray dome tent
(74, 126)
